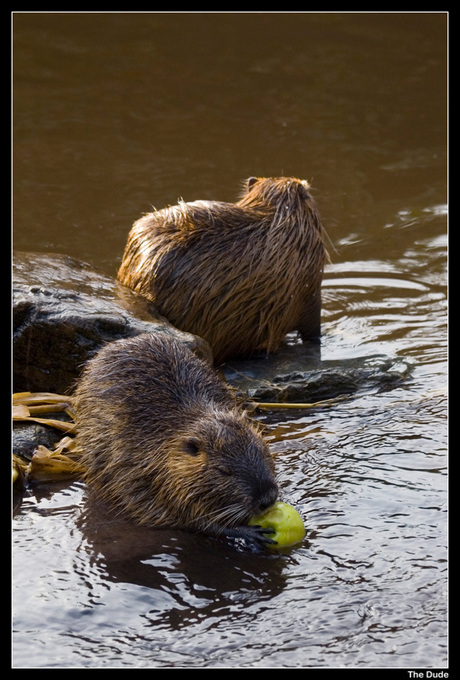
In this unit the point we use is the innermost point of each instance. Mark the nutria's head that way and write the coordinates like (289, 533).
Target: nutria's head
(275, 189)
(216, 472)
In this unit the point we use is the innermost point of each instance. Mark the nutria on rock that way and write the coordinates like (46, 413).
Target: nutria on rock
(240, 275)
(165, 441)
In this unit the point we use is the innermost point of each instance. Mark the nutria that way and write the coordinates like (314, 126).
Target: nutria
(165, 441)
(241, 275)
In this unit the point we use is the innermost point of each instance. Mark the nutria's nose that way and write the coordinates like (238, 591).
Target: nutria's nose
(268, 497)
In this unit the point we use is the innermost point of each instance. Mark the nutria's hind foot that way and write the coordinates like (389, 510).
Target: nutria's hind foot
(256, 537)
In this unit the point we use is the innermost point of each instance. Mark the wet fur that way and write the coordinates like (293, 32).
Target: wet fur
(165, 441)
(239, 275)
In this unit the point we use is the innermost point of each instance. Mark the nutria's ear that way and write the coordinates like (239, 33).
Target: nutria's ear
(250, 183)
(305, 188)
(192, 446)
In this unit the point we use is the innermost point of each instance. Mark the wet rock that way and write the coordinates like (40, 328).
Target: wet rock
(27, 436)
(278, 379)
(64, 311)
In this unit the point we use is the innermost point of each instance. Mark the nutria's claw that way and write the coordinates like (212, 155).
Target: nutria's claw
(261, 535)
(255, 536)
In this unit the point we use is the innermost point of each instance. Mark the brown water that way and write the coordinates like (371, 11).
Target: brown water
(114, 113)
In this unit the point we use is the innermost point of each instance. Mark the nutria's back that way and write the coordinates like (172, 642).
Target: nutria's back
(239, 275)
(165, 441)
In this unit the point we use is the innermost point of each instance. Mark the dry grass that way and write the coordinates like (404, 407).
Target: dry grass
(61, 463)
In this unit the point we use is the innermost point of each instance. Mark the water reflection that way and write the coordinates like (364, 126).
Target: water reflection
(173, 561)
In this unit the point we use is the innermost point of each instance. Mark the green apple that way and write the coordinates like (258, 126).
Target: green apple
(286, 523)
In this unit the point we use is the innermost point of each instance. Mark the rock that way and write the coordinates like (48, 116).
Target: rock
(279, 380)
(27, 436)
(64, 311)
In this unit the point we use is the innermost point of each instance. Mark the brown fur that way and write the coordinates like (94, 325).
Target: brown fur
(239, 275)
(165, 441)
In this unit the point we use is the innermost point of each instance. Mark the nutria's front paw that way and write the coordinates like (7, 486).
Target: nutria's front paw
(255, 536)
(259, 537)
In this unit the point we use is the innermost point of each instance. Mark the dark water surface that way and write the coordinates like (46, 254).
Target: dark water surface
(114, 113)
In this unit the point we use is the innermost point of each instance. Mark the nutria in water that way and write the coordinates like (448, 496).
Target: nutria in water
(166, 442)
(241, 275)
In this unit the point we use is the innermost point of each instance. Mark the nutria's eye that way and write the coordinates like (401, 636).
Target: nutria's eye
(192, 446)
(224, 471)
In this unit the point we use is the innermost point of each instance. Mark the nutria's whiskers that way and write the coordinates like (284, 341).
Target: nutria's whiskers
(231, 516)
